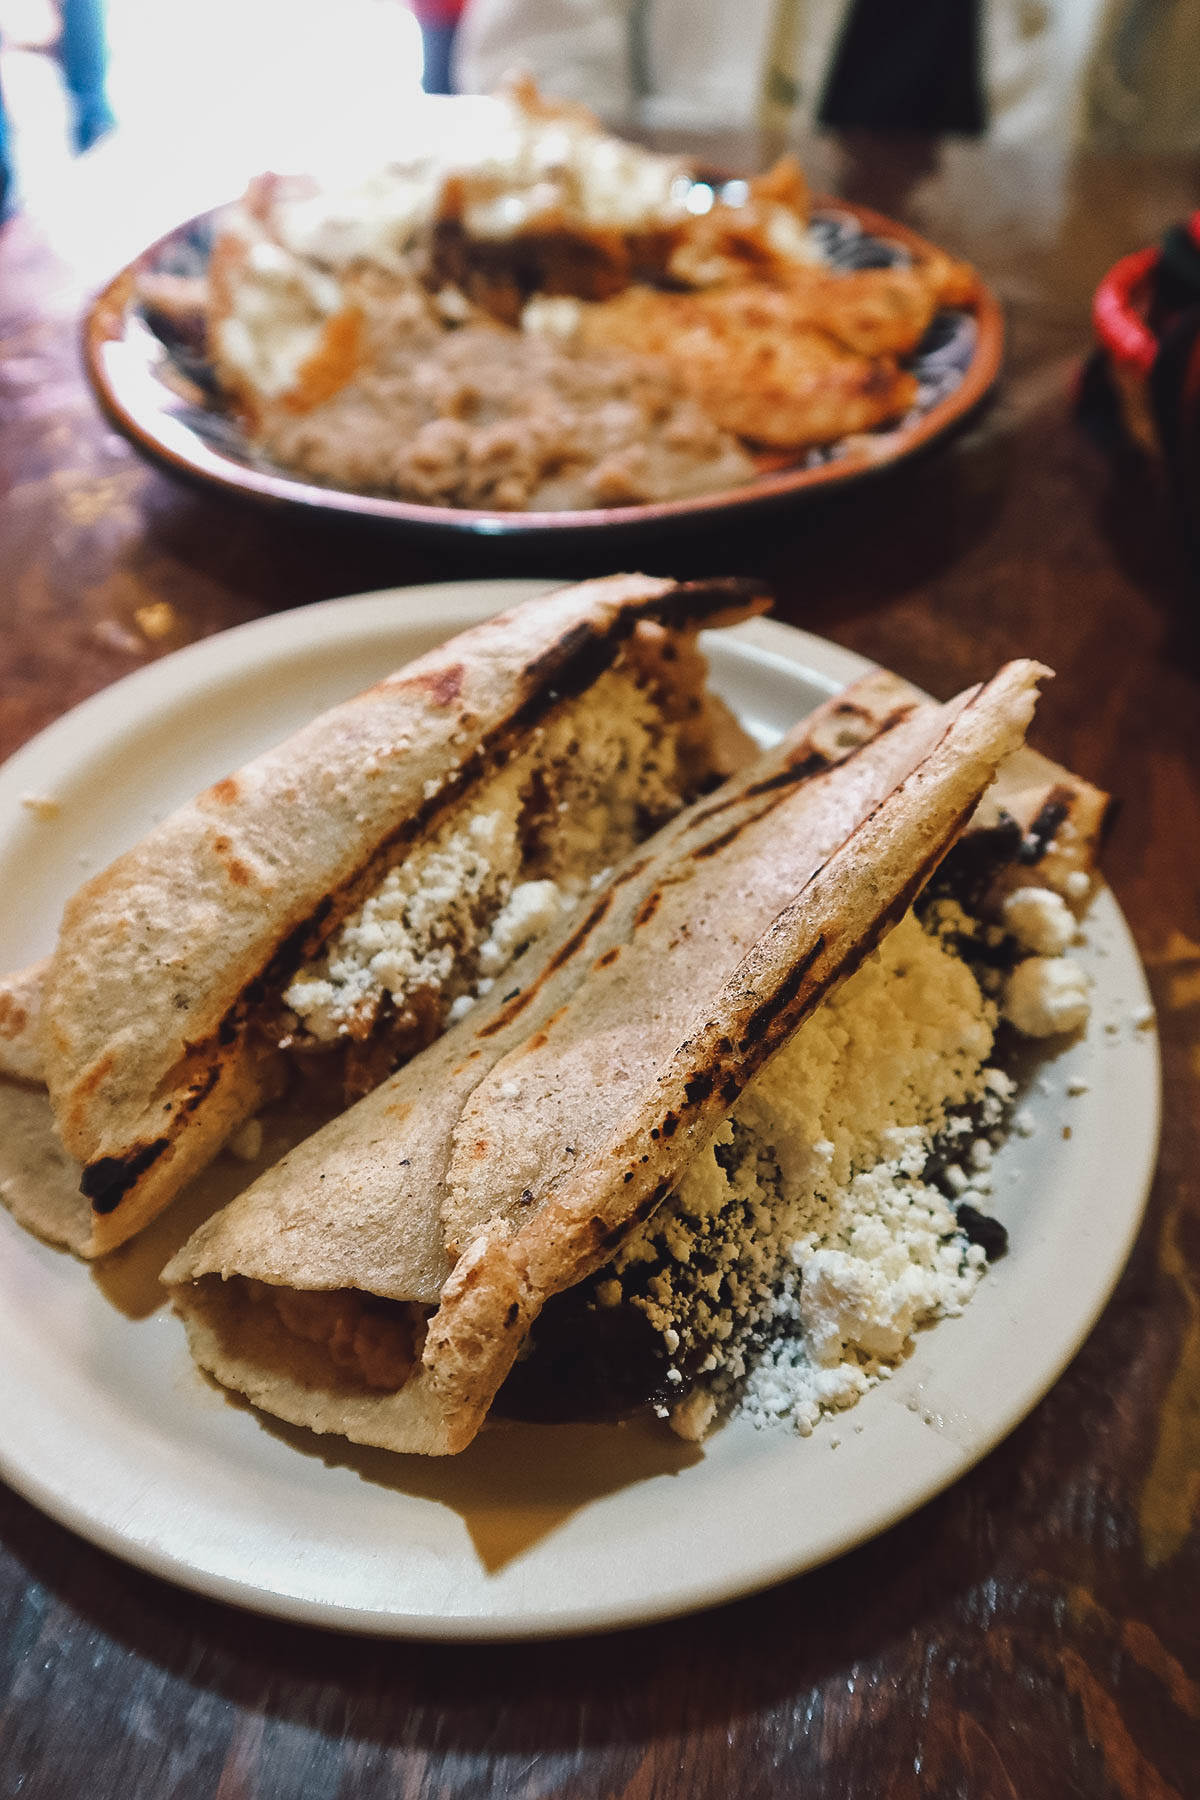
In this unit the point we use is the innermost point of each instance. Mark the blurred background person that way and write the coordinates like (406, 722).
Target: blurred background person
(82, 51)
(1125, 73)
(438, 20)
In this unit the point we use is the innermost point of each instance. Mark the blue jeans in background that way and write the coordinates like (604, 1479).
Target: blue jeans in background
(82, 54)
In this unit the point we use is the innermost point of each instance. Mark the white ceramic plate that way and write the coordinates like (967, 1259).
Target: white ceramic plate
(535, 1529)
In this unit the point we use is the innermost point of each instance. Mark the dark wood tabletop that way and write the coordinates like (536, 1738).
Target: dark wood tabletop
(1036, 1630)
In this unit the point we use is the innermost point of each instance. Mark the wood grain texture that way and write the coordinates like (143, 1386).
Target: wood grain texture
(1036, 1631)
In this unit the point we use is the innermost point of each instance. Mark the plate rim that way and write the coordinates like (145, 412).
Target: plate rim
(827, 663)
(105, 320)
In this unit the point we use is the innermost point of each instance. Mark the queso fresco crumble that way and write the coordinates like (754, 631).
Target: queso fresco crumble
(451, 917)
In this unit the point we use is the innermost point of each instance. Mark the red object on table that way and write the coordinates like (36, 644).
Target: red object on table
(1122, 318)
(1120, 326)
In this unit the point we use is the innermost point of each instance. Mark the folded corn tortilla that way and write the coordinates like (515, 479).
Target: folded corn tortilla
(161, 1020)
(378, 1283)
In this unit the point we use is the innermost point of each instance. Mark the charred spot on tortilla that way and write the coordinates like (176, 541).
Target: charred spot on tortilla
(578, 937)
(757, 1027)
(106, 1181)
(572, 665)
(648, 908)
(813, 764)
(849, 734)
(521, 998)
(234, 867)
(714, 846)
(290, 953)
(772, 1017)
(199, 1088)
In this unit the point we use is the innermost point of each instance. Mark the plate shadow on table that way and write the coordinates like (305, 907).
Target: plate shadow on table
(516, 1484)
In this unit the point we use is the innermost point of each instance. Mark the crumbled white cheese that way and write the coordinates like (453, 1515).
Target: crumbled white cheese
(1045, 996)
(803, 1248)
(462, 905)
(693, 1416)
(851, 1301)
(999, 1083)
(1040, 920)
(528, 913)
(408, 934)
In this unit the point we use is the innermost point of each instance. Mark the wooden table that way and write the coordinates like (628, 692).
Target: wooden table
(1037, 1630)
